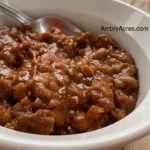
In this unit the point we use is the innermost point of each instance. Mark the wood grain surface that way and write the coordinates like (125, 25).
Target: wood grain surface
(143, 144)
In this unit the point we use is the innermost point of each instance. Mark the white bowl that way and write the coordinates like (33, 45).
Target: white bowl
(91, 15)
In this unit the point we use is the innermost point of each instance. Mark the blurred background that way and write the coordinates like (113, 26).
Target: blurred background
(142, 4)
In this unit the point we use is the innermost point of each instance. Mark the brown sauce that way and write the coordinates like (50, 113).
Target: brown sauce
(56, 84)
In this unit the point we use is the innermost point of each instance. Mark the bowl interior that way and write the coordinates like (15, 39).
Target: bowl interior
(133, 42)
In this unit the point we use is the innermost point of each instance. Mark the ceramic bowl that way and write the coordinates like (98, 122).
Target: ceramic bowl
(90, 15)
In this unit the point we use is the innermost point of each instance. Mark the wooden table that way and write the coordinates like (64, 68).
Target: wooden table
(143, 144)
